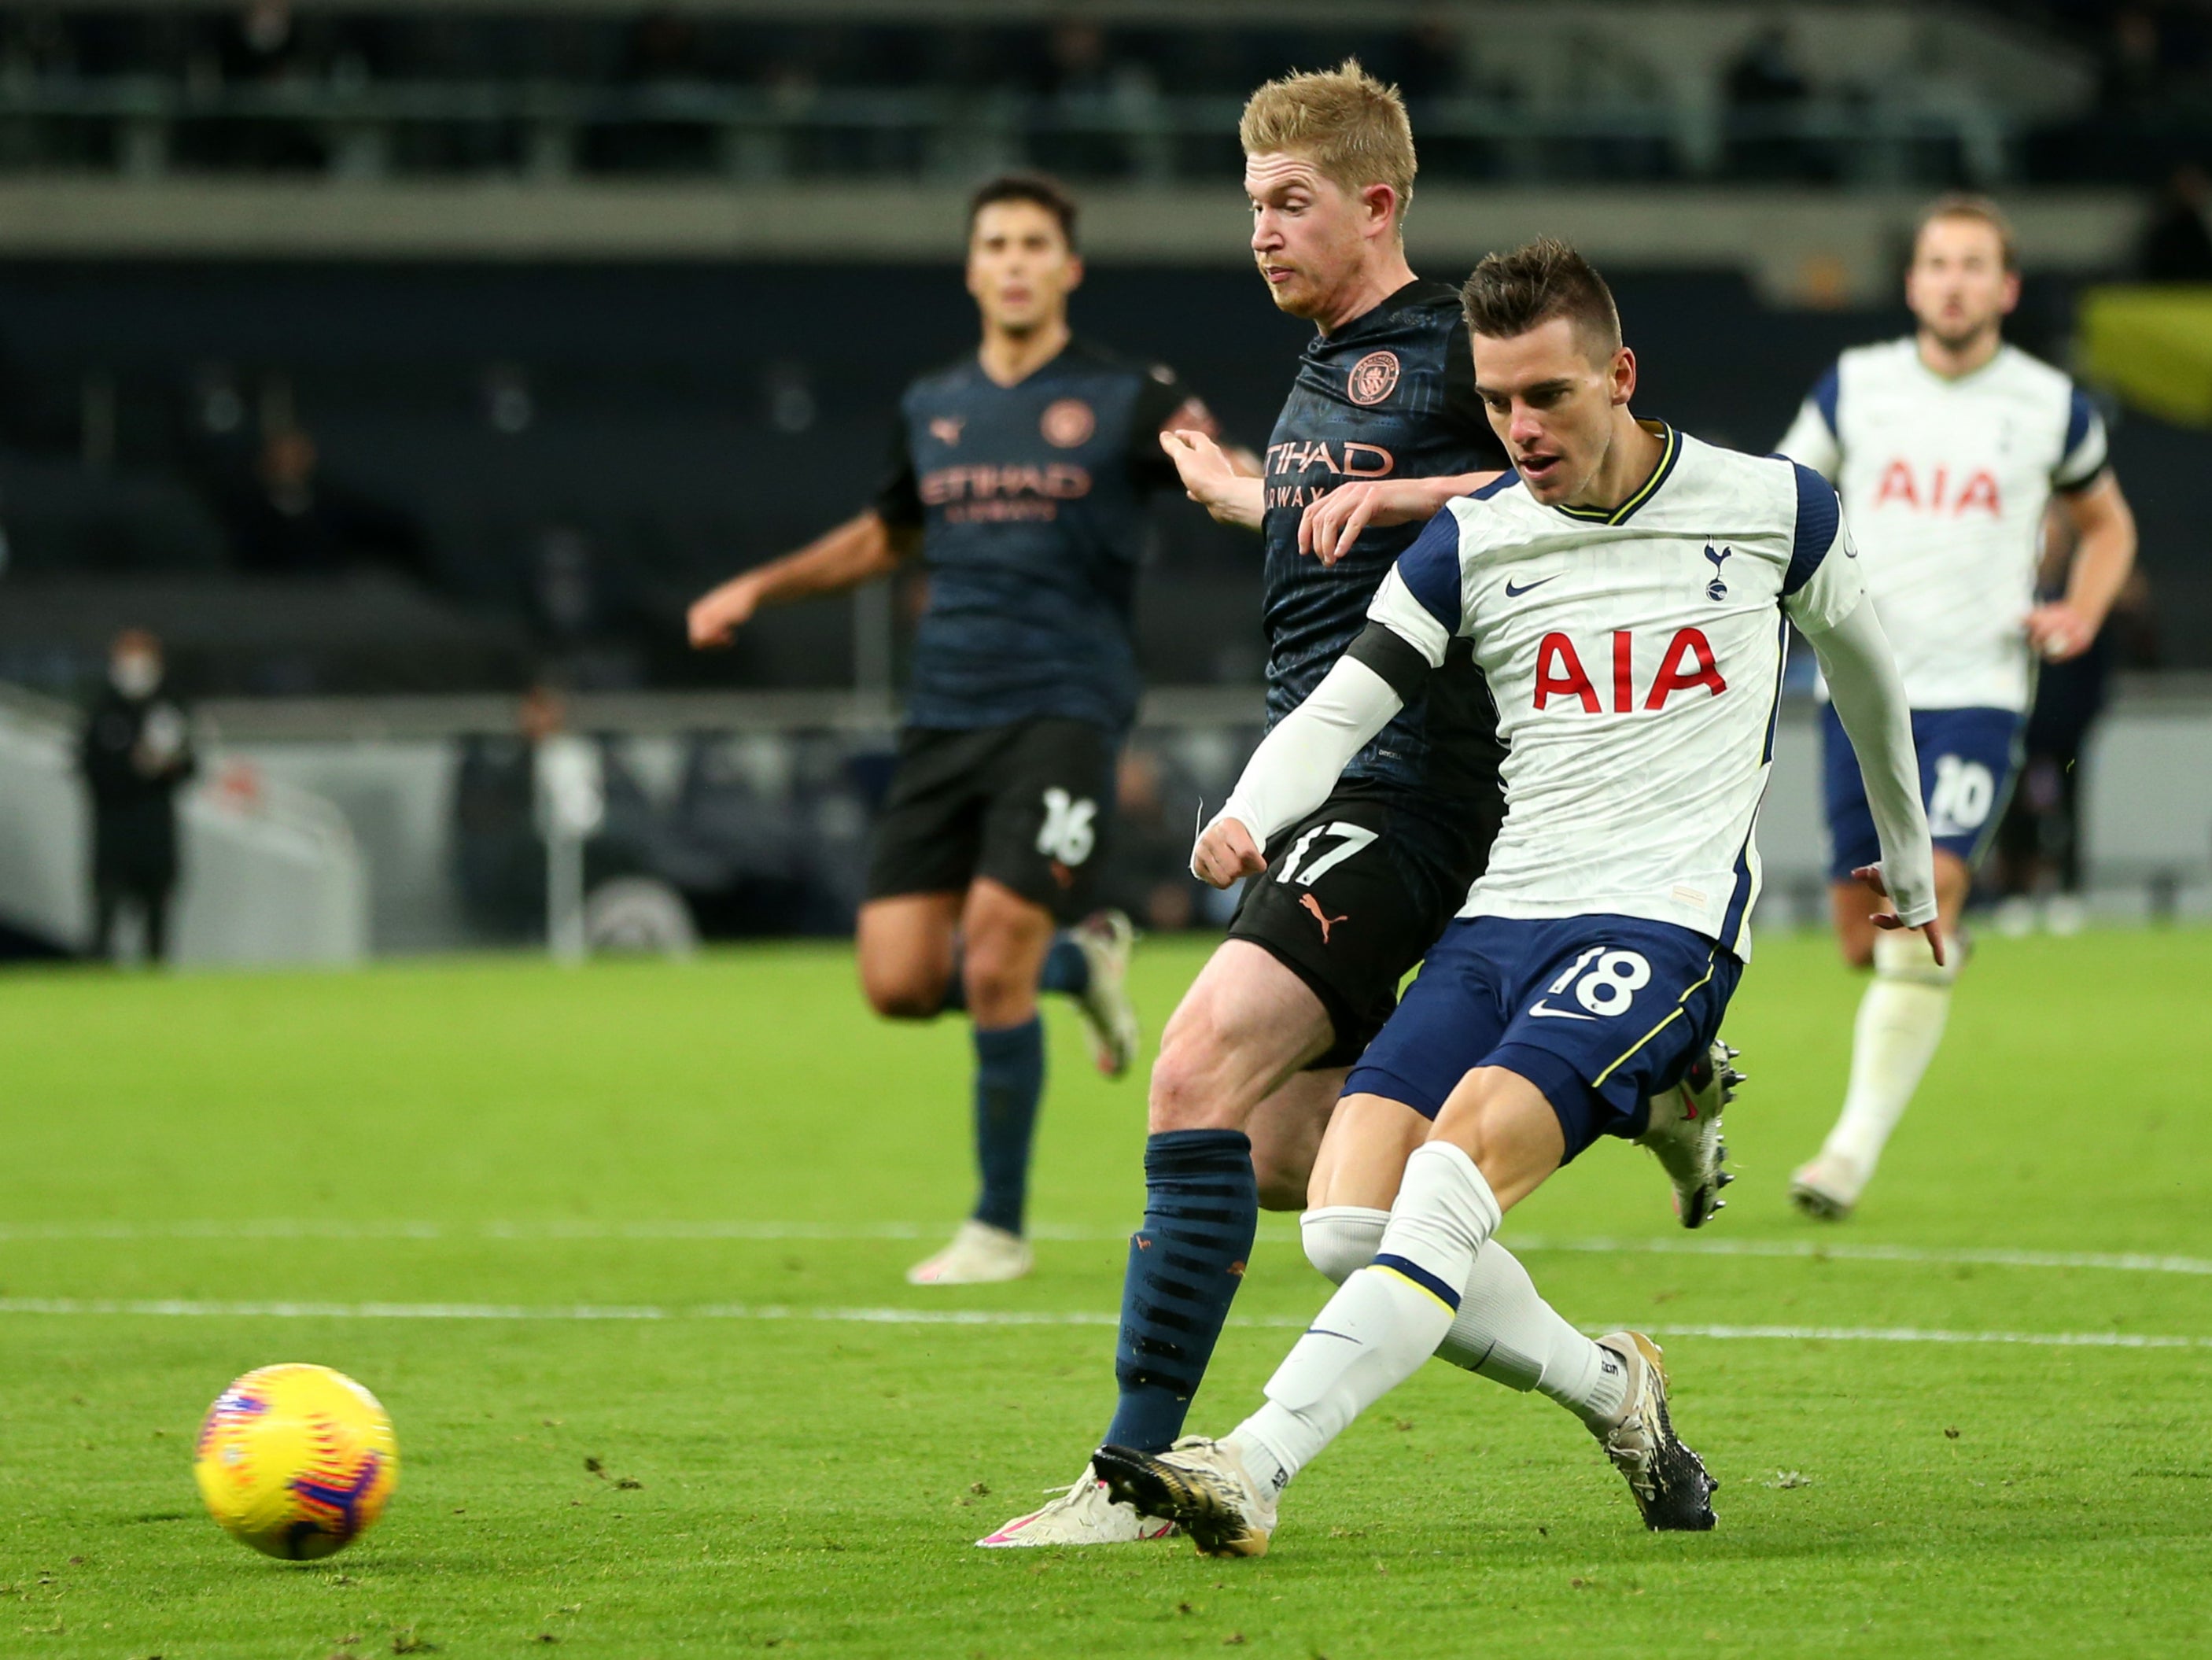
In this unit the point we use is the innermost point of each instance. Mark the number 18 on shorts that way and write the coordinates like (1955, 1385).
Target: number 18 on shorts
(1599, 1013)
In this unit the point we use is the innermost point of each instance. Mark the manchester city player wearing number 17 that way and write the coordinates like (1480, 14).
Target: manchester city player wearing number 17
(1020, 475)
(1627, 592)
(1948, 448)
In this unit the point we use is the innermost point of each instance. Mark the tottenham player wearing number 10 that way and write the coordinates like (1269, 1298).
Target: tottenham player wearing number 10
(1625, 590)
(1949, 448)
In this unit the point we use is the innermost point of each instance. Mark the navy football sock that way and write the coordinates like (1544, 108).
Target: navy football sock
(1201, 1209)
(1009, 1079)
(1066, 969)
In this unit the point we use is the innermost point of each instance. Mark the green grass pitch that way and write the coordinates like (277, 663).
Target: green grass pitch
(731, 1151)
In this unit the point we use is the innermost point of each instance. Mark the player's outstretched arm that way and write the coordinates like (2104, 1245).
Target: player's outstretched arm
(2104, 556)
(1214, 479)
(1293, 769)
(1869, 698)
(1331, 524)
(862, 549)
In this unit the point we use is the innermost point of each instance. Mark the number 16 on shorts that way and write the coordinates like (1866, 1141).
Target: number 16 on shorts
(1604, 981)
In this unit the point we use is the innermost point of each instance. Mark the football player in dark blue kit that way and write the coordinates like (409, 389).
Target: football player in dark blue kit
(1020, 475)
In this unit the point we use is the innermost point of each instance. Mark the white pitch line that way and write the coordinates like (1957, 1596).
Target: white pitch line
(195, 1310)
(842, 1233)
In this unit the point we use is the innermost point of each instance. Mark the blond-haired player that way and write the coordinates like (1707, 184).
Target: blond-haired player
(1947, 447)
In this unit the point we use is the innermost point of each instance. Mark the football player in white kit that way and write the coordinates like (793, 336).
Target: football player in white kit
(1948, 449)
(1625, 591)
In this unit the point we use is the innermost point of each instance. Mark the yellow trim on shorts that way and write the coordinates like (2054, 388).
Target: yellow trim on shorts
(1379, 1267)
(1673, 1016)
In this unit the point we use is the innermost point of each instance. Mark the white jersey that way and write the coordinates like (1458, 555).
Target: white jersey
(1636, 660)
(1946, 483)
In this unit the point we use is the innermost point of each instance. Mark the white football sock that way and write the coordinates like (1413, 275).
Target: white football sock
(1503, 1331)
(1510, 1335)
(1900, 1021)
(1382, 1322)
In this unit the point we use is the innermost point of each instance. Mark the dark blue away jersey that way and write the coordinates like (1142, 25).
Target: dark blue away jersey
(1031, 502)
(1391, 394)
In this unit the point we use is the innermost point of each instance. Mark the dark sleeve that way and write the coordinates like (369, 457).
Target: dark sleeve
(1164, 402)
(898, 498)
(1383, 649)
(1463, 410)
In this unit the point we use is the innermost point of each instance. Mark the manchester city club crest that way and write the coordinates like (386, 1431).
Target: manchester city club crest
(1717, 589)
(1066, 423)
(1374, 377)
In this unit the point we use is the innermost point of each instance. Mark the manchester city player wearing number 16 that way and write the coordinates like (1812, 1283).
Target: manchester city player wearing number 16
(1627, 592)
(1020, 475)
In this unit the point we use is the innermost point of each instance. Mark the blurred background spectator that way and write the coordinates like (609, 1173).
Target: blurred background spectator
(136, 754)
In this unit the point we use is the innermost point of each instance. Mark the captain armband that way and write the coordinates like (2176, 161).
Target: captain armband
(1399, 665)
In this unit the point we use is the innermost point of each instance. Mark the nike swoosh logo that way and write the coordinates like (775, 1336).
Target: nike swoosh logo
(1512, 593)
(1315, 1331)
(1543, 1012)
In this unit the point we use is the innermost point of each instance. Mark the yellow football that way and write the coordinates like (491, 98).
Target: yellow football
(296, 1461)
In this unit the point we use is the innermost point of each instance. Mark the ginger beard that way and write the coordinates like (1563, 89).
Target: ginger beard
(1309, 234)
(1020, 268)
(1957, 286)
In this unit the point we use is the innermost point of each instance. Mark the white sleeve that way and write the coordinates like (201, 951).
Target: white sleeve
(1869, 699)
(1811, 440)
(1297, 764)
(1410, 625)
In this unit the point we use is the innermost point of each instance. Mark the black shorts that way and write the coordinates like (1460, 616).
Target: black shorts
(1025, 805)
(1353, 897)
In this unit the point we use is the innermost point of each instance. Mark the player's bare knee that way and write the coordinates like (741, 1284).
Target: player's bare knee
(1856, 953)
(902, 993)
(1187, 1092)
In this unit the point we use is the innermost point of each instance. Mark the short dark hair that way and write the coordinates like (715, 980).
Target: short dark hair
(1041, 188)
(1510, 293)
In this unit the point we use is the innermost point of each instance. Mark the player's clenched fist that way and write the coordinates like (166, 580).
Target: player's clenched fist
(718, 615)
(1225, 852)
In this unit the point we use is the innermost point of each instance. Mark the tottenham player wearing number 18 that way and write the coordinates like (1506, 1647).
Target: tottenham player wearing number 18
(1625, 591)
(1948, 448)
(1020, 474)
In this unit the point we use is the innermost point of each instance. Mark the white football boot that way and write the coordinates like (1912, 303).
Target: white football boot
(980, 1255)
(1106, 938)
(1202, 1484)
(1667, 1480)
(1828, 1189)
(1685, 1135)
(1084, 1514)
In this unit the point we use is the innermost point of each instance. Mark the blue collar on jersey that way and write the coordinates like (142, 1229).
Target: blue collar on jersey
(1671, 450)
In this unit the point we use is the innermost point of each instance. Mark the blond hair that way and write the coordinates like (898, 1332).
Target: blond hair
(1346, 122)
(1964, 204)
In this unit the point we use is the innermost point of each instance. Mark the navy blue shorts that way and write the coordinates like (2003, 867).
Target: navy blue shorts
(1599, 1013)
(1967, 761)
